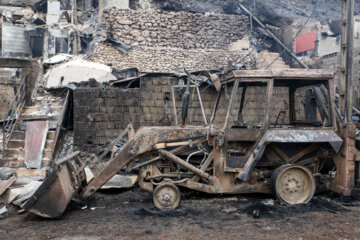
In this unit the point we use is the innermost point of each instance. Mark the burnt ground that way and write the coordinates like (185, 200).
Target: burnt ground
(131, 215)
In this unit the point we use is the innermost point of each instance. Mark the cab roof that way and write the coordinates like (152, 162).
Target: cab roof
(291, 75)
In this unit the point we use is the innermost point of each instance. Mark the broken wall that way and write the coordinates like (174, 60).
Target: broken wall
(10, 83)
(175, 29)
(166, 40)
(148, 59)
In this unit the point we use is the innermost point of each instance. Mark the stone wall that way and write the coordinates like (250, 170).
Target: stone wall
(164, 41)
(148, 59)
(175, 29)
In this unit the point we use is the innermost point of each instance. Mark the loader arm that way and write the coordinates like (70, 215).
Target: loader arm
(113, 167)
(66, 181)
(144, 140)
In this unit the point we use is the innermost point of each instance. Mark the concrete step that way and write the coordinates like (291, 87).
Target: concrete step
(20, 143)
(264, 54)
(277, 66)
(34, 110)
(20, 162)
(21, 135)
(268, 61)
(20, 126)
(20, 153)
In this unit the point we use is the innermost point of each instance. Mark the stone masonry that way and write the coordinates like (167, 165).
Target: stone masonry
(164, 41)
(148, 59)
(175, 29)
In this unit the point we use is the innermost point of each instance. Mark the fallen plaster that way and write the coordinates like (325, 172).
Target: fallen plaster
(240, 45)
(77, 71)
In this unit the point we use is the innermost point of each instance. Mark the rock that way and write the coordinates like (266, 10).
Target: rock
(256, 213)
(145, 33)
(135, 33)
(3, 212)
(229, 210)
(6, 173)
(124, 21)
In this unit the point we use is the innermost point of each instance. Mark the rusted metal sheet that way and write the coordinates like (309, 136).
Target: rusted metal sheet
(52, 197)
(35, 137)
(304, 136)
(291, 74)
(146, 138)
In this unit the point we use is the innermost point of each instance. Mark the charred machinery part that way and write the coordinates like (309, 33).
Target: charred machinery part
(186, 100)
(238, 158)
(186, 165)
(315, 101)
(293, 184)
(200, 101)
(166, 196)
(280, 119)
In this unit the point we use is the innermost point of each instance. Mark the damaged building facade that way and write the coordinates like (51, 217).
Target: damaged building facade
(162, 45)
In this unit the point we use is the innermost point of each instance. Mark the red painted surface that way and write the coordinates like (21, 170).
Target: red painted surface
(306, 42)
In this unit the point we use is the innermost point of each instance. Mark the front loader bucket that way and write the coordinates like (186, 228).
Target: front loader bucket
(54, 194)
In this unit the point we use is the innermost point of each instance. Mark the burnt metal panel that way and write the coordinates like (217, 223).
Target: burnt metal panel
(305, 136)
(35, 137)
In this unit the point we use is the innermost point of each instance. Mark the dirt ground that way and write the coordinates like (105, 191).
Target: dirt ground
(131, 215)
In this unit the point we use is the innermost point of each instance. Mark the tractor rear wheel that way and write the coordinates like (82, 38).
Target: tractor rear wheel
(293, 184)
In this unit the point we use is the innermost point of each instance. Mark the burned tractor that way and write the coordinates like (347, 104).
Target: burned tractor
(262, 137)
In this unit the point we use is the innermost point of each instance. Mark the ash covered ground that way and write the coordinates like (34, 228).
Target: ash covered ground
(130, 214)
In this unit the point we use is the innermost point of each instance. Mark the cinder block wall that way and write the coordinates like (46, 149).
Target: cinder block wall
(332, 62)
(101, 114)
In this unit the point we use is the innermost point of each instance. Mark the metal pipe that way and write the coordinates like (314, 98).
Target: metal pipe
(184, 164)
(186, 101)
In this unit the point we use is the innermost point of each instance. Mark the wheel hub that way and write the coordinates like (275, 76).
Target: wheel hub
(166, 196)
